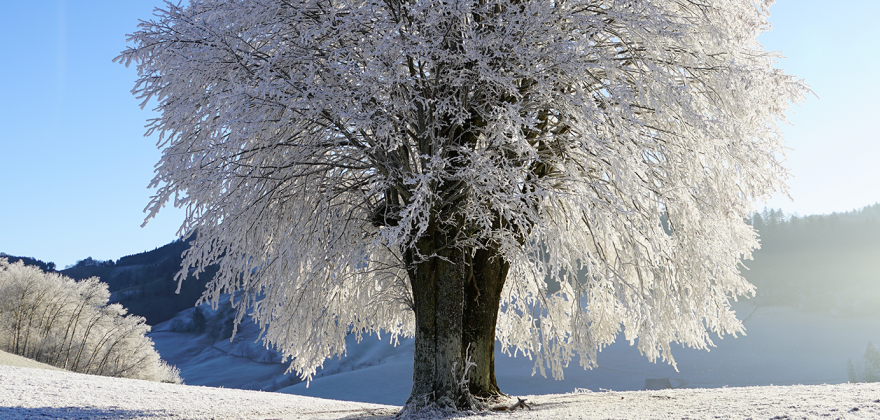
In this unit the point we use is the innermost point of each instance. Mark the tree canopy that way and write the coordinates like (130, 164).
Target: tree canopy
(328, 153)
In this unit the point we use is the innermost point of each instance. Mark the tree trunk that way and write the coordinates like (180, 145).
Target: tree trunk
(439, 368)
(488, 272)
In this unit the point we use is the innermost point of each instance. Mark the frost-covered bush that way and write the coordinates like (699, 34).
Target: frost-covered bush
(53, 319)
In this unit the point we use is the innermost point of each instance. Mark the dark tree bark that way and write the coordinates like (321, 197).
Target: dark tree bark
(456, 298)
(487, 273)
(438, 297)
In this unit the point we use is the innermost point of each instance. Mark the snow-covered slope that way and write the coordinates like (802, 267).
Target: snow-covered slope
(27, 393)
(784, 346)
(9, 359)
(208, 357)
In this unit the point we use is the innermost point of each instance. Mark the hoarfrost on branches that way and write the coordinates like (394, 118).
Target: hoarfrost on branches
(55, 320)
(607, 149)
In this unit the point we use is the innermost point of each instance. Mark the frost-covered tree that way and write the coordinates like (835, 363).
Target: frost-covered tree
(550, 173)
(872, 364)
(56, 320)
(869, 371)
(851, 371)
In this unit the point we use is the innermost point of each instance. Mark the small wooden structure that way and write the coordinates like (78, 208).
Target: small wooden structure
(655, 384)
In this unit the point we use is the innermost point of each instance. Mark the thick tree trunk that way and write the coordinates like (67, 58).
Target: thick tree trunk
(438, 296)
(487, 273)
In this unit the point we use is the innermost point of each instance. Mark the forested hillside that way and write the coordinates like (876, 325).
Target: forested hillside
(819, 262)
(143, 283)
(45, 266)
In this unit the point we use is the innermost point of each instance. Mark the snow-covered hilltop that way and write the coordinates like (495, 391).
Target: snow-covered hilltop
(27, 393)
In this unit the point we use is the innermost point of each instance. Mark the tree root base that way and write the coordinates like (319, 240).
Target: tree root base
(441, 408)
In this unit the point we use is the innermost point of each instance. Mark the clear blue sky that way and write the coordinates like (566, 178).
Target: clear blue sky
(75, 166)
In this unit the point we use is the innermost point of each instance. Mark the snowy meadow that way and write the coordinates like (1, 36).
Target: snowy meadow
(28, 393)
(783, 346)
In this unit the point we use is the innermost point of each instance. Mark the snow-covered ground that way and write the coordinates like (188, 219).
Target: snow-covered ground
(211, 359)
(9, 359)
(784, 346)
(28, 393)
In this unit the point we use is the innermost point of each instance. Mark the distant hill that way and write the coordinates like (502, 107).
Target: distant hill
(144, 283)
(819, 262)
(817, 307)
(45, 266)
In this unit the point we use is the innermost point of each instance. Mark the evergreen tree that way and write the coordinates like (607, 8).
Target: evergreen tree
(872, 364)
(851, 371)
(199, 322)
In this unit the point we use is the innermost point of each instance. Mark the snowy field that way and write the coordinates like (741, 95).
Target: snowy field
(29, 393)
(784, 346)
